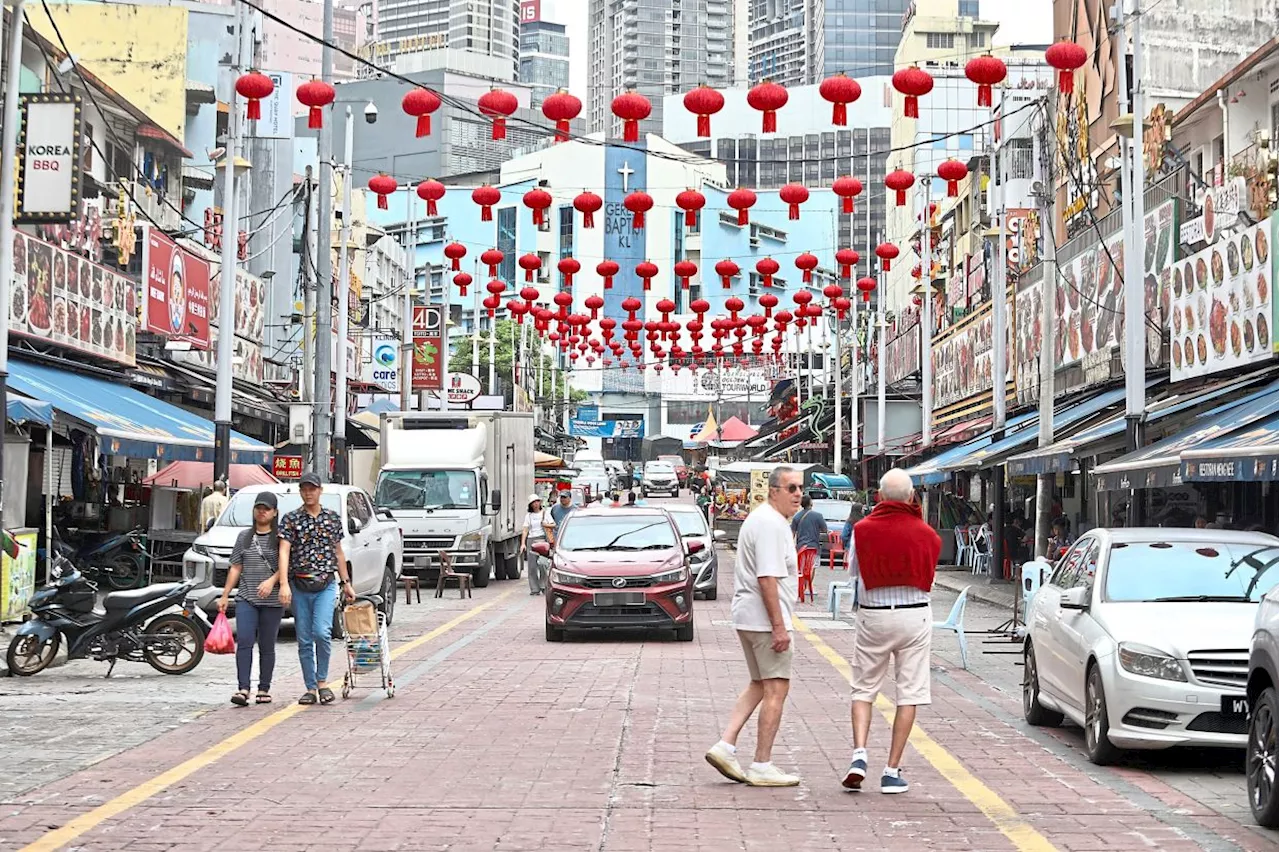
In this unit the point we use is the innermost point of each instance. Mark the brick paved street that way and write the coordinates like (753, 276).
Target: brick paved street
(498, 740)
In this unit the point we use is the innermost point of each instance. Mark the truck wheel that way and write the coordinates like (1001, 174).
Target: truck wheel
(513, 566)
(480, 575)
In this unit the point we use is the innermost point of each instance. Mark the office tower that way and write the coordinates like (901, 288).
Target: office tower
(798, 42)
(476, 36)
(544, 52)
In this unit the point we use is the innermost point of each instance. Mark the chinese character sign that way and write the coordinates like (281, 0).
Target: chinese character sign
(428, 347)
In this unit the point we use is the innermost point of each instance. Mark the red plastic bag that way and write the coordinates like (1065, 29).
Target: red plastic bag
(220, 639)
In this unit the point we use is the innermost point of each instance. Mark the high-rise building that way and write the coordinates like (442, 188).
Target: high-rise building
(659, 47)
(798, 42)
(485, 32)
(544, 52)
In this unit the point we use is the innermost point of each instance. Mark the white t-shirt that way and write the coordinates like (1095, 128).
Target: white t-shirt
(765, 549)
(533, 525)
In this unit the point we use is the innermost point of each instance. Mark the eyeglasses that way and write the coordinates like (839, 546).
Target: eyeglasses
(790, 489)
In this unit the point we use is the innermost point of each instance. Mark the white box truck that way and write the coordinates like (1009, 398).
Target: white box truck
(458, 481)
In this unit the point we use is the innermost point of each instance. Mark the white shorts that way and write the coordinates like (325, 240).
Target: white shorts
(904, 636)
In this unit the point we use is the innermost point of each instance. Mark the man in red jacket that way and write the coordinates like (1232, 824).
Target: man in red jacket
(894, 556)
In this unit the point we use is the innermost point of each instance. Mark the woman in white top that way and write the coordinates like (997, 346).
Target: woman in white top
(532, 531)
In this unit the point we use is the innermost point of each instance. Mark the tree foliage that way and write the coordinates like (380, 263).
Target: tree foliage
(506, 348)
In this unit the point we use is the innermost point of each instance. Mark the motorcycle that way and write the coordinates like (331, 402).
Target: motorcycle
(172, 642)
(118, 559)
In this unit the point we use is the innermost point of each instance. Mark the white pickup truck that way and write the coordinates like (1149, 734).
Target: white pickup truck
(373, 544)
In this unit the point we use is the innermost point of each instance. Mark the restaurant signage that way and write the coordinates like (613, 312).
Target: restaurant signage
(49, 161)
(175, 290)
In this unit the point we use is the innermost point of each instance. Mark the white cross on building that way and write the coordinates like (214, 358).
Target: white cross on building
(626, 171)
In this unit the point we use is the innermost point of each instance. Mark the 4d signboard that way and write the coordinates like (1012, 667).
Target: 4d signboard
(428, 348)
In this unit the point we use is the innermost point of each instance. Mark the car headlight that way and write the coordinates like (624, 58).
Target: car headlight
(1148, 662)
(677, 576)
(701, 556)
(566, 579)
(470, 541)
(202, 550)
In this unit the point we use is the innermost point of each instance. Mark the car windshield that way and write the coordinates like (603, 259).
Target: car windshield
(1190, 571)
(674, 461)
(832, 510)
(690, 523)
(659, 467)
(616, 532)
(426, 489)
(239, 512)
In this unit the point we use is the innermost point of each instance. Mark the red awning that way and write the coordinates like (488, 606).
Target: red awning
(193, 475)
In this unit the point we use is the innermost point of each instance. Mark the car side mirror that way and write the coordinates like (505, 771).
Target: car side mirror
(386, 515)
(1076, 598)
(541, 548)
(718, 534)
(495, 500)
(353, 526)
(695, 547)
(208, 525)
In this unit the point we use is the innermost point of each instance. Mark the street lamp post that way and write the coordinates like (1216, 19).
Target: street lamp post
(9, 149)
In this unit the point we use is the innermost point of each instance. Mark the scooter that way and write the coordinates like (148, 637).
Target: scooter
(172, 642)
(117, 559)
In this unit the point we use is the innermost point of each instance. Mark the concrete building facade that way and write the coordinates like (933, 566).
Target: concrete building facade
(544, 58)
(800, 42)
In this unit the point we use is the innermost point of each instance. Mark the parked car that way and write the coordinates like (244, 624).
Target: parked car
(1141, 636)
(835, 513)
(705, 564)
(618, 479)
(619, 568)
(1260, 762)
(659, 476)
(373, 544)
(682, 470)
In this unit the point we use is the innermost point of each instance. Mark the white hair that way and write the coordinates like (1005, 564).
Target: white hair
(896, 485)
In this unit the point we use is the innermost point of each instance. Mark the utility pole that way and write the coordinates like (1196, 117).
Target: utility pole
(9, 147)
(493, 374)
(324, 297)
(227, 274)
(998, 339)
(1045, 202)
(926, 322)
(306, 388)
(406, 321)
(838, 433)
(344, 313)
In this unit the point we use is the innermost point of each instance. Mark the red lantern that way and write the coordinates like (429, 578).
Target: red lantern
(840, 91)
(952, 171)
(633, 108)
(793, 194)
(802, 298)
(686, 269)
(587, 203)
(431, 191)
(530, 263)
(631, 304)
(561, 107)
(842, 305)
(768, 301)
(665, 307)
(767, 267)
(917, 301)
(495, 287)
(768, 97)
(486, 196)
(1066, 56)
(914, 83)
(806, 263)
(517, 309)
(455, 252)
(900, 181)
(646, 270)
(383, 185)
(530, 295)
(727, 269)
(691, 201)
(704, 102)
(699, 307)
(594, 304)
(421, 103)
(564, 301)
(316, 94)
(492, 258)
(638, 202)
(866, 286)
(832, 291)
(847, 258)
(733, 304)
(537, 200)
(847, 188)
(568, 268)
(986, 71)
(886, 252)
(498, 104)
(606, 269)
(463, 280)
(741, 199)
(254, 86)
(491, 303)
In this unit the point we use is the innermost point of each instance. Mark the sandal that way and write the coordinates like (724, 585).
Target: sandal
(263, 697)
(241, 698)
(307, 698)
(326, 695)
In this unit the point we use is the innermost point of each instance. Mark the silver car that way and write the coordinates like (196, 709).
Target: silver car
(704, 564)
(659, 476)
(1260, 761)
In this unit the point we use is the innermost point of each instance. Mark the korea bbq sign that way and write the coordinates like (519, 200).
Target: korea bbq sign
(428, 348)
(49, 174)
(176, 291)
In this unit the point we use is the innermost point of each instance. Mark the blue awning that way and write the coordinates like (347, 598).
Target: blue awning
(29, 411)
(931, 473)
(1249, 454)
(129, 422)
(1159, 465)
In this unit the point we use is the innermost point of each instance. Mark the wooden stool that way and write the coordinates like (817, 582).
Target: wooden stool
(411, 584)
(447, 573)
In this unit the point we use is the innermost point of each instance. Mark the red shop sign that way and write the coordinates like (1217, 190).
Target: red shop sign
(176, 297)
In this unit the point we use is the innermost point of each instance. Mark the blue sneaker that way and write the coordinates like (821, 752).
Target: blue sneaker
(893, 783)
(857, 772)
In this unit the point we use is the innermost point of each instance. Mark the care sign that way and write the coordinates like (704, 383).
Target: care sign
(49, 172)
(382, 370)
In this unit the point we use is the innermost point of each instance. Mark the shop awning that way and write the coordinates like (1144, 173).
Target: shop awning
(129, 422)
(963, 430)
(931, 472)
(192, 475)
(1246, 455)
(1061, 455)
(29, 411)
(1159, 465)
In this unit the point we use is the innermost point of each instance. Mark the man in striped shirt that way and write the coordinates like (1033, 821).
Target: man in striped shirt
(894, 556)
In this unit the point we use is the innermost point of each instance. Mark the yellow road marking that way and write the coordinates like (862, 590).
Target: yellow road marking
(59, 837)
(1020, 833)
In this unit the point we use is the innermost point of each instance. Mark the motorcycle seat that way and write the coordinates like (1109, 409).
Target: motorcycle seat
(133, 597)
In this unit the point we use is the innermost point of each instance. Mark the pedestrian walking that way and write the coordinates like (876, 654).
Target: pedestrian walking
(533, 531)
(562, 509)
(764, 580)
(311, 557)
(212, 505)
(894, 555)
(809, 529)
(262, 593)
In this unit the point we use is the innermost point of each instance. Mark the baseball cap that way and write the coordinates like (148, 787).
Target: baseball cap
(309, 478)
(265, 498)
(566, 494)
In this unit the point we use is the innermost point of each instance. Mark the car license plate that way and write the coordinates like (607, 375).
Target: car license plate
(618, 599)
(1235, 705)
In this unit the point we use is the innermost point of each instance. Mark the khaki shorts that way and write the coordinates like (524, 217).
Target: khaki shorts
(903, 635)
(763, 662)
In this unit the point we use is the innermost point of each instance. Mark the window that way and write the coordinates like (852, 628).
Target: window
(1180, 570)
(507, 244)
(566, 231)
(968, 8)
(357, 510)
(1018, 159)
(977, 39)
(939, 41)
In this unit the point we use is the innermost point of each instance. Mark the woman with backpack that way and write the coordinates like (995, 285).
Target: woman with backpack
(262, 593)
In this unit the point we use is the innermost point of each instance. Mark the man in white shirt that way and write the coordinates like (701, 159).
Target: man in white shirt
(765, 581)
(212, 505)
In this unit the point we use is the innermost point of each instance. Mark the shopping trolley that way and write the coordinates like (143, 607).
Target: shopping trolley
(364, 629)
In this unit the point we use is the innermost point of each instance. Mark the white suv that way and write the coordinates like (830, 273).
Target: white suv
(659, 476)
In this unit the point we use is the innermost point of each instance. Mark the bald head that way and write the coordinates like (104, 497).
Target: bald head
(896, 485)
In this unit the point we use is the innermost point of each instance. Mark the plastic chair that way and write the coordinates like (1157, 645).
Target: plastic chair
(964, 545)
(836, 592)
(1031, 576)
(805, 558)
(980, 561)
(955, 622)
(835, 550)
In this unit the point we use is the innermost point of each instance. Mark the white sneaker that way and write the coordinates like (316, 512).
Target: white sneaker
(726, 763)
(769, 775)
